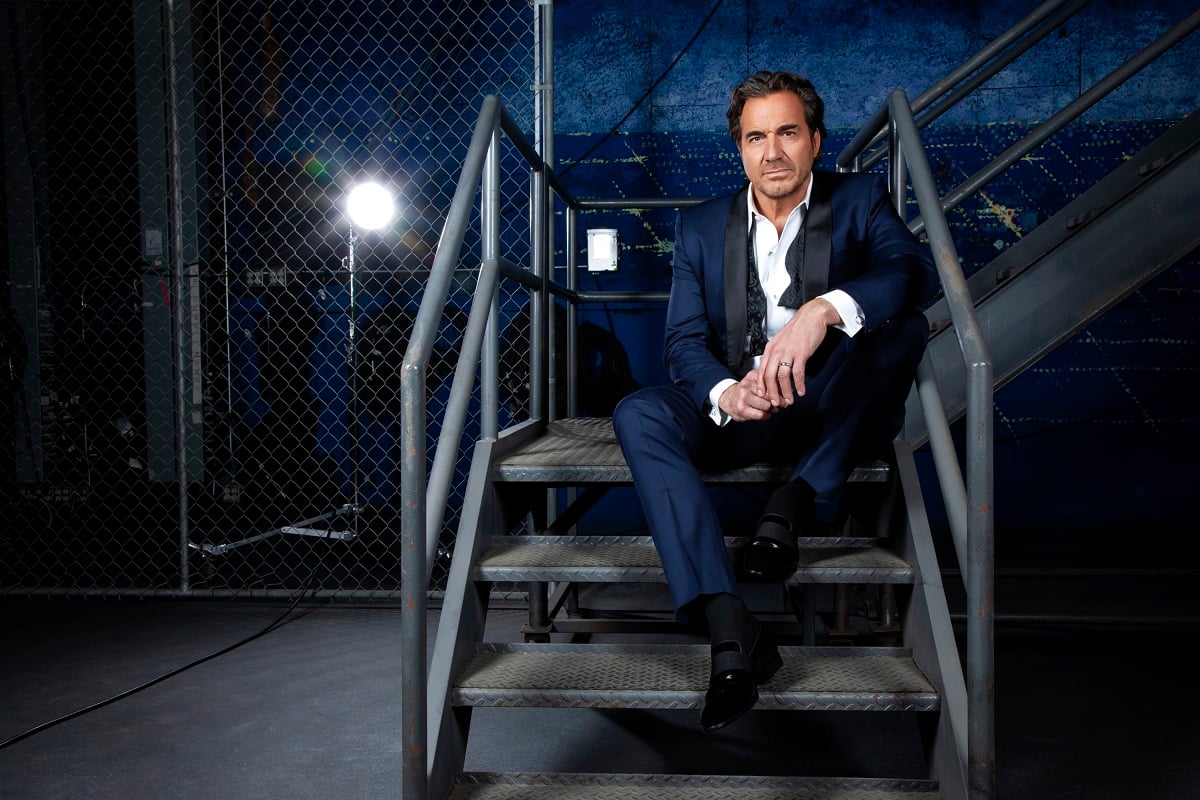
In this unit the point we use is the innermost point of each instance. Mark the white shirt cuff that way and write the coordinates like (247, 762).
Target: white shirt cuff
(714, 411)
(848, 309)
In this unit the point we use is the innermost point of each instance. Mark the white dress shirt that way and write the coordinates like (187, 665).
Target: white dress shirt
(770, 252)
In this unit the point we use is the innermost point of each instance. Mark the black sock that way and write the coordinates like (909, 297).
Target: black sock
(728, 619)
(794, 502)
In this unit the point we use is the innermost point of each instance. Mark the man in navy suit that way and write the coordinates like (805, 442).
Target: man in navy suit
(793, 334)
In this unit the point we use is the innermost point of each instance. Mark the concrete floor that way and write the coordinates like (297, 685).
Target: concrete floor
(311, 710)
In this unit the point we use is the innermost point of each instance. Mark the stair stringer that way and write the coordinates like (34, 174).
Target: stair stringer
(464, 609)
(929, 634)
(1133, 224)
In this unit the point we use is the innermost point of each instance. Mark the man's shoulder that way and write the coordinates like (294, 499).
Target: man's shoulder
(715, 208)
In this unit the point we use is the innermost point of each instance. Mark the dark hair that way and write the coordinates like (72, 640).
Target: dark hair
(763, 83)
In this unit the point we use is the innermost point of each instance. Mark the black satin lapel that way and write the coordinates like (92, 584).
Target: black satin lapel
(818, 239)
(737, 224)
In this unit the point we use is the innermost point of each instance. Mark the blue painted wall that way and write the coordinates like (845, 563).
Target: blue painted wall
(1095, 439)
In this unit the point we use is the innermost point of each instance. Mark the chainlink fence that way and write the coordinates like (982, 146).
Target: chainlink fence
(204, 357)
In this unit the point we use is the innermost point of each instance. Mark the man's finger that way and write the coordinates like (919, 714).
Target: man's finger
(781, 385)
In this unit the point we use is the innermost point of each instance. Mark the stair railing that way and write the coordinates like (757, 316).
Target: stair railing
(969, 506)
(423, 501)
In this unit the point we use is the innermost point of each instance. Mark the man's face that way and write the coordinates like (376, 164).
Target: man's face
(778, 149)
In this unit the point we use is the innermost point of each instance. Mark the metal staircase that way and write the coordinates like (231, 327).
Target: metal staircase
(662, 674)
(881, 558)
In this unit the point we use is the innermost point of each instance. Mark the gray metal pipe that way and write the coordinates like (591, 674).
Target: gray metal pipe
(180, 297)
(539, 298)
(489, 209)
(441, 474)
(951, 94)
(945, 459)
(981, 740)
(572, 244)
(873, 131)
(413, 567)
(1068, 113)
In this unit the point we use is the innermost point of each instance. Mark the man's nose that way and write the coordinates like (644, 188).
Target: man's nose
(773, 150)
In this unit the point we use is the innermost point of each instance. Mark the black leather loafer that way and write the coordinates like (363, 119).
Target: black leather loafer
(772, 554)
(735, 678)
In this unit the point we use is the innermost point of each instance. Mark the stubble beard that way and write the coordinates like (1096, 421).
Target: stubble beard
(781, 188)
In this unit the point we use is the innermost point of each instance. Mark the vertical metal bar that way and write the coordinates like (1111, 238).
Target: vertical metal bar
(413, 624)
(489, 217)
(547, 152)
(538, 628)
(537, 300)
(981, 746)
(981, 733)
(180, 297)
(547, 59)
(572, 243)
(897, 171)
(352, 410)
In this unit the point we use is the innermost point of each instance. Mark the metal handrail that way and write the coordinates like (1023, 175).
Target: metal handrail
(950, 89)
(969, 506)
(1067, 114)
(423, 503)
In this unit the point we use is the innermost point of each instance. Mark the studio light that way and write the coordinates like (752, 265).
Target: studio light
(370, 206)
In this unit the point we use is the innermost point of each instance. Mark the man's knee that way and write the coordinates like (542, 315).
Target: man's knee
(631, 412)
(649, 412)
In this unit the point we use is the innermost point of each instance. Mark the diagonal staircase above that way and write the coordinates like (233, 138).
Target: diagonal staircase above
(1071, 268)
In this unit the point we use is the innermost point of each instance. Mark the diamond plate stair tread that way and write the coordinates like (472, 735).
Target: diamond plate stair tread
(547, 786)
(582, 450)
(609, 559)
(675, 677)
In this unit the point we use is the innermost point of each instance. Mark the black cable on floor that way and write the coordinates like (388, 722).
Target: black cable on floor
(279, 622)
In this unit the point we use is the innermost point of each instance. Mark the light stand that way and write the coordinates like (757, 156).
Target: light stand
(369, 206)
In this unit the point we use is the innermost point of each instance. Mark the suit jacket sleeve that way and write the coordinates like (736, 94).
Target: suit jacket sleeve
(694, 349)
(875, 258)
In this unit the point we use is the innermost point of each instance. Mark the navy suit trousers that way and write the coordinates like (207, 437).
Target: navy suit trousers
(853, 406)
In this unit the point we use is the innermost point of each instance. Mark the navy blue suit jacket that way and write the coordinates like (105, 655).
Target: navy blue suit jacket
(855, 242)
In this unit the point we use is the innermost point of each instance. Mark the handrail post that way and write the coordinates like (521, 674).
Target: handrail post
(537, 300)
(981, 747)
(489, 216)
(413, 580)
(981, 734)
(571, 245)
(414, 761)
(897, 172)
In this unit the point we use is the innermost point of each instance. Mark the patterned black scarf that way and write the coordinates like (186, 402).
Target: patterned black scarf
(756, 299)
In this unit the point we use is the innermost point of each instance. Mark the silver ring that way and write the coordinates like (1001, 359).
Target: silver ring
(787, 364)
